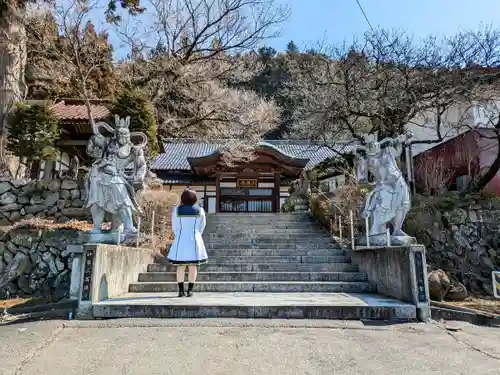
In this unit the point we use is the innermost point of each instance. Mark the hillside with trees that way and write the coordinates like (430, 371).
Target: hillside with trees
(210, 75)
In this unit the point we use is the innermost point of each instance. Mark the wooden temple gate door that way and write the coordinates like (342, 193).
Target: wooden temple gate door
(244, 194)
(246, 200)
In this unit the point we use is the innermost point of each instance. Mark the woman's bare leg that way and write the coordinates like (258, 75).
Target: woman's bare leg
(192, 273)
(181, 270)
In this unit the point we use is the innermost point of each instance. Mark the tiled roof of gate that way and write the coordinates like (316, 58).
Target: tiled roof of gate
(75, 109)
(177, 152)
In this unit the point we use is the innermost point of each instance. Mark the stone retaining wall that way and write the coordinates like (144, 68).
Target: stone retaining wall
(463, 241)
(59, 199)
(35, 262)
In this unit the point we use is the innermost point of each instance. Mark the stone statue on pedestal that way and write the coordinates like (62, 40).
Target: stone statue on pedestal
(390, 200)
(299, 193)
(118, 171)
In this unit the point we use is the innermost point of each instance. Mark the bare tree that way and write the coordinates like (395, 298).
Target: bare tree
(13, 53)
(54, 32)
(66, 54)
(12, 62)
(194, 30)
(477, 54)
(191, 63)
(378, 85)
(432, 175)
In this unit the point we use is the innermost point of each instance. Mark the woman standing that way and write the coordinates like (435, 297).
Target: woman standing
(188, 249)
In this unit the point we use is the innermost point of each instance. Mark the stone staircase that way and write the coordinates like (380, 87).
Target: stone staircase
(262, 266)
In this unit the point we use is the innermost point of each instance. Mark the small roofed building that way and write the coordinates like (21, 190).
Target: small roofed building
(74, 120)
(258, 185)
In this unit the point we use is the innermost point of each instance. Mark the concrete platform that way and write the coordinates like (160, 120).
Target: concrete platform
(256, 305)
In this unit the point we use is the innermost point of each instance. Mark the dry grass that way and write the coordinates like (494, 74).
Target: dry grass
(482, 304)
(157, 205)
(347, 198)
(47, 224)
(8, 303)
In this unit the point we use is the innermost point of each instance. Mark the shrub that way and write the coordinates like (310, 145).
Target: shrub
(321, 208)
(133, 103)
(161, 202)
(33, 132)
(326, 207)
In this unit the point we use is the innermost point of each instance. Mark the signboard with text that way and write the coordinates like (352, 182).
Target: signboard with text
(496, 283)
(246, 183)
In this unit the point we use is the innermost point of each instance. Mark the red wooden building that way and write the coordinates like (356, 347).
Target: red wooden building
(453, 164)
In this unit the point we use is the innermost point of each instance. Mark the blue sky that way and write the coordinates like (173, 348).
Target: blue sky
(337, 20)
(334, 21)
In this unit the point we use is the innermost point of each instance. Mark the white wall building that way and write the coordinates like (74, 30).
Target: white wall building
(457, 120)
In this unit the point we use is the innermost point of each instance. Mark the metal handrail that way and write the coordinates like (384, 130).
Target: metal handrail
(330, 200)
(341, 215)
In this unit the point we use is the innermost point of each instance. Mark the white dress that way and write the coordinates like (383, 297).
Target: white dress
(188, 223)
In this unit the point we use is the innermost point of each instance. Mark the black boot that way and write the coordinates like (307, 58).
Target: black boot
(181, 290)
(190, 290)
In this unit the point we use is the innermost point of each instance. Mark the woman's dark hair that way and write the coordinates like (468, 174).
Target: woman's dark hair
(189, 197)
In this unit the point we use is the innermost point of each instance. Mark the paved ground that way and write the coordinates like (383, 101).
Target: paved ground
(220, 347)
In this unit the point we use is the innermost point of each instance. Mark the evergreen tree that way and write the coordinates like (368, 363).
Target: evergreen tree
(33, 132)
(133, 103)
(291, 47)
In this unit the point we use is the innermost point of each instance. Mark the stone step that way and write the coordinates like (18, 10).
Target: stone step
(256, 267)
(258, 276)
(230, 226)
(263, 224)
(257, 215)
(276, 237)
(259, 221)
(275, 245)
(251, 231)
(239, 242)
(280, 259)
(265, 286)
(261, 214)
(256, 305)
(277, 234)
(273, 252)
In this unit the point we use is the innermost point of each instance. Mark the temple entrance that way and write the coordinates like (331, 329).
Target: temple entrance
(246, 200)
(253, 186)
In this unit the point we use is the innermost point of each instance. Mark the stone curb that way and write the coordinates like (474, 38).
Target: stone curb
(441, 311)
(64, 304)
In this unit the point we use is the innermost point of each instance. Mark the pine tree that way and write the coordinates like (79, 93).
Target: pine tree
(133, 103)
(291, 47)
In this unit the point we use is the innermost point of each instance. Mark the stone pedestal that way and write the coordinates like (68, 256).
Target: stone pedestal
(380, 240)
(76, 270)
(102, 271)
(399, 272)
(110, 238)
(300, 205)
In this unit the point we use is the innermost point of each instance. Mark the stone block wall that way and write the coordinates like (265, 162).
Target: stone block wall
(35, 262)
(59, 199)
(463, 241)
